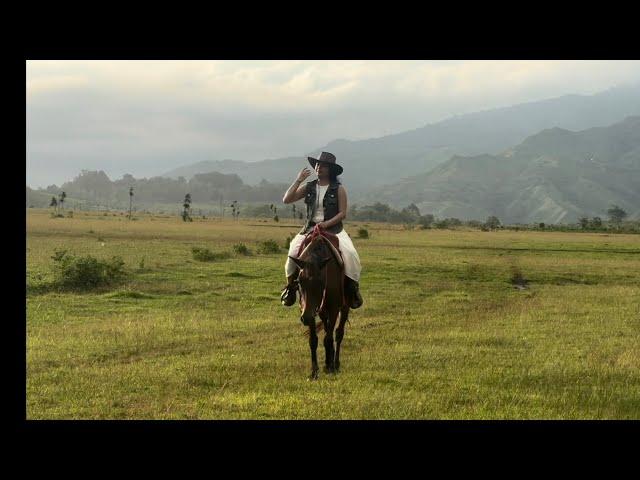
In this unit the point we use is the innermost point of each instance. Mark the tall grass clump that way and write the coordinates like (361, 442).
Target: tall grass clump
(363, 233)
(86, 272)
(206, 255)
(241, 249)
(517, 278)
(268, 246)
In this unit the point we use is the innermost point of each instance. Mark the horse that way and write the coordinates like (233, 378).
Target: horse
(321, 286)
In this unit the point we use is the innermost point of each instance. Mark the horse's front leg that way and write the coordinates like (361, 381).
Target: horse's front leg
(344, 315)
(329, 350)
(313, 345)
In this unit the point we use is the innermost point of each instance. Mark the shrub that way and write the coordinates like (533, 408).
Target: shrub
(86, 272)
(441, 224)
(363, 233)
(287, 242)
(206, 255)
(517, 278)
(241, 249)
(70, 214)
(268, 246)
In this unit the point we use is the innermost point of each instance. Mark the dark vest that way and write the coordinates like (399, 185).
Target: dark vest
(330, 204)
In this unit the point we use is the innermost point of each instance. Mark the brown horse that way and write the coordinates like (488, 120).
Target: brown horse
(321, 281)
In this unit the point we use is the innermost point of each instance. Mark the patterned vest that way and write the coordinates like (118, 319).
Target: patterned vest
(329, 202)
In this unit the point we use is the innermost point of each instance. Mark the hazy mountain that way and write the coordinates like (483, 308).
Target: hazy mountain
(38, 199)
(380, 161)
(554, 176)
(277, 170)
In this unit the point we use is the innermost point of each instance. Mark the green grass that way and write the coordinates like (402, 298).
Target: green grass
(443, 333)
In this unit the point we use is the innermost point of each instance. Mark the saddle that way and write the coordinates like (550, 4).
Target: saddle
(332, 241)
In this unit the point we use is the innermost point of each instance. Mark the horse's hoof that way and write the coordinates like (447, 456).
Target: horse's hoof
(329, 370)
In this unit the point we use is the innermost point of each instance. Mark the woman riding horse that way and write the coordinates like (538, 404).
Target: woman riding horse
(326, 201)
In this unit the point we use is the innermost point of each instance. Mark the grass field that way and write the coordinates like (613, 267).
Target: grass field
(443, 333)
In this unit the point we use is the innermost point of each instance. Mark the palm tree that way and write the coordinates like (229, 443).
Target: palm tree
(187, 206)
(54, 204)
(63, 195)
(130, 200)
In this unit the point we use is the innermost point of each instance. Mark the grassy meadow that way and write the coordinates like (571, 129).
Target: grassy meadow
(443, 333)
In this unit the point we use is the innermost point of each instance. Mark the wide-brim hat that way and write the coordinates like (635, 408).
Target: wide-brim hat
(328, 158)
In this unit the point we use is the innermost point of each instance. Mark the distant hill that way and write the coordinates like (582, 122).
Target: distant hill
(38, 199)
(282, 170)
(554, 176)
(379, 161)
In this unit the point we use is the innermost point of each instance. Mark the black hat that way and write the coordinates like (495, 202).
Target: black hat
(329, 158)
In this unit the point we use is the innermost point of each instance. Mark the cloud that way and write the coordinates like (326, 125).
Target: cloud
(146, 117)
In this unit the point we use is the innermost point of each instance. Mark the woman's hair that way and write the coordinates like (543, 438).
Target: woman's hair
(333, 178)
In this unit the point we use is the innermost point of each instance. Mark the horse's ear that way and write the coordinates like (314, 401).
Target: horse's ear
(298, 262)
(323, 262)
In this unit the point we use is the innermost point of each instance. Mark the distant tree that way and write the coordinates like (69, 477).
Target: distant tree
(274, 209)
(413, 209)
(426, 220)
(63, 195)
(186, 213)
(130, 200)
(596, 222)
(235, 212)
(492, 222)
(300, 215)
(293, 209)
(54, 204)
(584, 222)
(441, 223)
(616, 214)
(541, 225)
(474, 223)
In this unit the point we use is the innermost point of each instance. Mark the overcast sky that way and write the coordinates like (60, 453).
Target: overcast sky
(148, 117)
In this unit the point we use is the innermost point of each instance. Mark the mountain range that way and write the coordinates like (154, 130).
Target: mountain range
(548, 161)
(554, 176)
(389, 159)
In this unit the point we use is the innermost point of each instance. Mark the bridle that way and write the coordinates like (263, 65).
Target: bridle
(323, 286)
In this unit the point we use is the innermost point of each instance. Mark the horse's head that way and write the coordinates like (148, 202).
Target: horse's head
(312, 278)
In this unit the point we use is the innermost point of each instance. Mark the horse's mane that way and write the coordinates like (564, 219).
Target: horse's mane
(318, 249)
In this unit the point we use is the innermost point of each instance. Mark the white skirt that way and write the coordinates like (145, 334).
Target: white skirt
(350, 256)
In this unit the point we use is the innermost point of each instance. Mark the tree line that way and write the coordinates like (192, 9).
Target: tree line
(209, 188)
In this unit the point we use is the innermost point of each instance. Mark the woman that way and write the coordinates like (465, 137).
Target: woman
(326, 201)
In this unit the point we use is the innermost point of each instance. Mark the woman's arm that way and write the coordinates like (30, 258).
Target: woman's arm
(296, 191)
(342, 207)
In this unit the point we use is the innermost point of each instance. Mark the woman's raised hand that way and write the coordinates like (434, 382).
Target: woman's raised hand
(304, 173)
